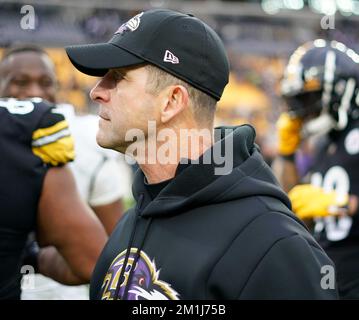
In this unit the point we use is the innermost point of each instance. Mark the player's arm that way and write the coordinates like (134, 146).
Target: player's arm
(109, 214)
(289, 139)
(353, 204)
(286, 172)
(64, 221)
(284, 166)
(67, 223)
(106, 193)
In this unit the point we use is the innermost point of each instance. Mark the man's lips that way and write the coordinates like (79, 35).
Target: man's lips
(104, 117)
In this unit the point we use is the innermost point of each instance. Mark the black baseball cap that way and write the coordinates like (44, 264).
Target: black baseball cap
(180, 44)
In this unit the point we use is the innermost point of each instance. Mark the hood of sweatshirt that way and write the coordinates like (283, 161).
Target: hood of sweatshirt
(206, 183)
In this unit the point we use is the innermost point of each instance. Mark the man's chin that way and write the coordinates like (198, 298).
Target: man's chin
(103, 143)
(109, 144)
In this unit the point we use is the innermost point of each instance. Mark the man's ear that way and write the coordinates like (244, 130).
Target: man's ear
(175, 100)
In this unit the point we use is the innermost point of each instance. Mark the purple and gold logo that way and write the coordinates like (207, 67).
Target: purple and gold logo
(130, 25)
(145, 283)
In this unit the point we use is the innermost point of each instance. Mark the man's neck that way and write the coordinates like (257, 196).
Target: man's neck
(156, 173)
(162, 171)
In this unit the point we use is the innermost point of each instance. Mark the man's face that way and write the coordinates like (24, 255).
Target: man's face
(27, 75)
(124, 104)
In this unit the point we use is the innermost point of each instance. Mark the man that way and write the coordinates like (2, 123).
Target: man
(38, 191)
(321, 89)
(26, 72)
(197, 232)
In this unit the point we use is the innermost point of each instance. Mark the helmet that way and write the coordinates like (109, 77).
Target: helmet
(321, 82)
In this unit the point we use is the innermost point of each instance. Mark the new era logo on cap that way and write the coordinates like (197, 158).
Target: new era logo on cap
(170, 57)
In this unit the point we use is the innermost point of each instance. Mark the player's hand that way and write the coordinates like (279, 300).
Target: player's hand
(288, 129)
(309, 201)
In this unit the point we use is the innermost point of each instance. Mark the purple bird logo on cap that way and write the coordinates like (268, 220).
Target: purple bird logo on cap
(130, 25)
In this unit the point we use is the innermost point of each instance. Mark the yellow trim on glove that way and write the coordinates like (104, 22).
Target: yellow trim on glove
(56, 153)
(288, 129)
(309, 201)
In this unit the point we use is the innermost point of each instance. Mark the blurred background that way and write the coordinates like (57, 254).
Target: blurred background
(259, 36)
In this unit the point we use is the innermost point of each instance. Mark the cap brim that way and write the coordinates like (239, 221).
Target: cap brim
(97, 59)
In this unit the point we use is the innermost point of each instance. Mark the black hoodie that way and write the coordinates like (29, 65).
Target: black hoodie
(208, 236)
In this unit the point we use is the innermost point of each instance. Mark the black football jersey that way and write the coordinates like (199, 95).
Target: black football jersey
(33, 137)
(336, 167)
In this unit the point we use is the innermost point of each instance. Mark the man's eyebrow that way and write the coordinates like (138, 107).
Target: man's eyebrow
(19, 74)
(121, 71)
(26, 74)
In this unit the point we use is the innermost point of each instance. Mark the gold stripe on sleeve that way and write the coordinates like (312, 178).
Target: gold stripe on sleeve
(42, 132)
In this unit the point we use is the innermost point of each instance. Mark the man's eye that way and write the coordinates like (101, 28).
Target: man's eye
(20, 82)
(117, 75)
(46, 83)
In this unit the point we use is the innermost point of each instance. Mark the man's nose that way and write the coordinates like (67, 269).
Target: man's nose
(100, 93)
(35, 90)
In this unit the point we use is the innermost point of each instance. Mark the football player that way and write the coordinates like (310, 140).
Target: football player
(26, 72)
(38, 192)
(321, 88)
